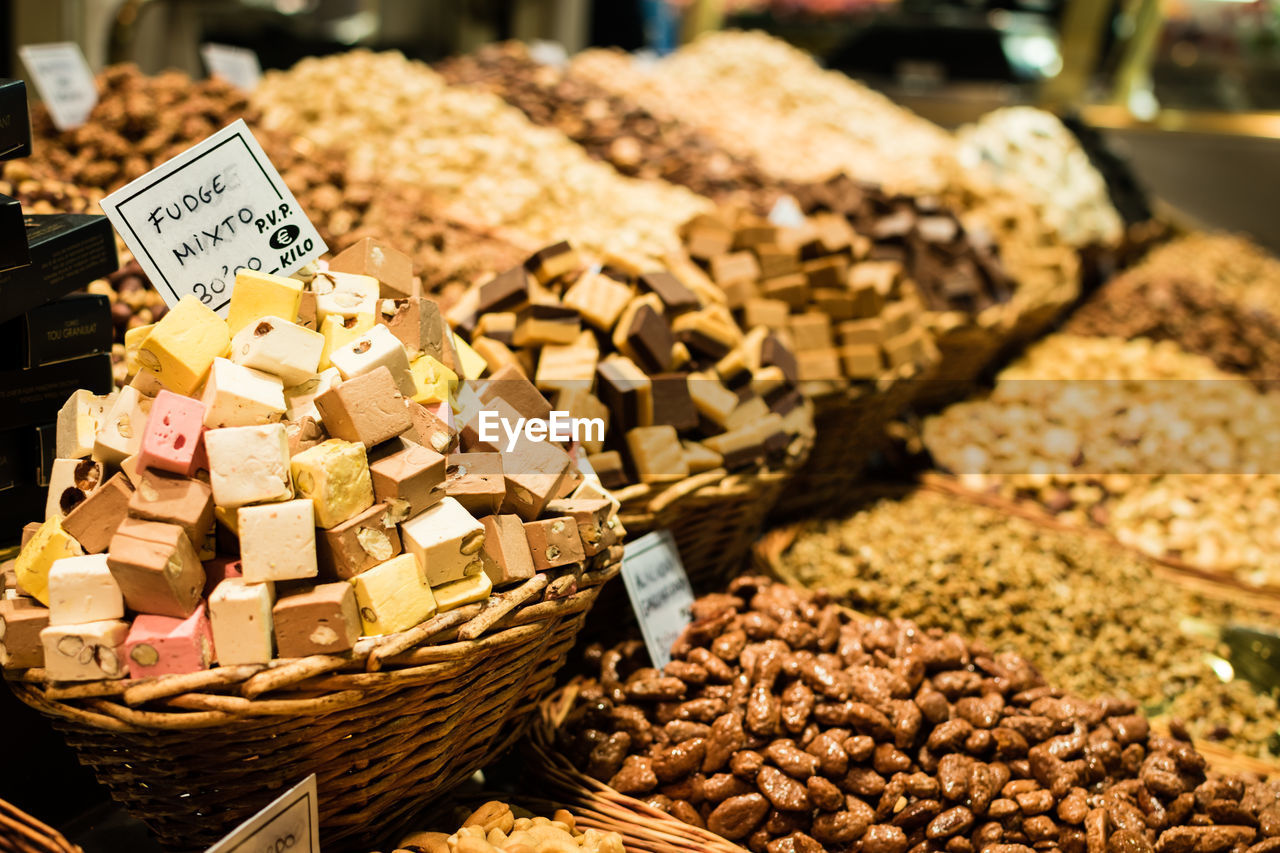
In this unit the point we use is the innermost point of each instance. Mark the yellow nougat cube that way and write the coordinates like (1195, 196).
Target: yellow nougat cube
(183, 345)
(49, 543)
(339, 331)
(260, 294)
(452, 595)
(470, 362)
(335, 476)
(393, 596)
(434, 381)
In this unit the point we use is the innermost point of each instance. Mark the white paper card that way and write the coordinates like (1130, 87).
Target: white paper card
(217, 207)
(290, 823)
(659, 591)
(237, 65)
(62, 77)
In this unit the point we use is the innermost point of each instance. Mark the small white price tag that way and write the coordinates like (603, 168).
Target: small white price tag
(216, 208)
(62, 77)
(237, 65)
(659, 591)
(291, 824)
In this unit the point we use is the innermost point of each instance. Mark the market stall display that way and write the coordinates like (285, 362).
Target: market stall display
(1152, 443)
(785, 723)
(270, 494)
(397, 121)
(1091, 616)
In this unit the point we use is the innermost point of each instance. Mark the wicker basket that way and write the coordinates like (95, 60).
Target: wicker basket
(386, 729)
(967, 345)
(596, 805)
(21, 833)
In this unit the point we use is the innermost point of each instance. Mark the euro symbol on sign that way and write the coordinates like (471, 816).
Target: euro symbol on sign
(284, 236)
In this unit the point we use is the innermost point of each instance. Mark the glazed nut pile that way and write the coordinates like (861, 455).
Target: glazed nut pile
(1030, 152)
(397, 121)
(787, 725)
(1155, 444)
(495, 828)
(946, 563)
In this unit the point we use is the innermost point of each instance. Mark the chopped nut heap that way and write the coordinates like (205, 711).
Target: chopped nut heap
(288, 480)
(848, 314)
(1031, 153)
(1214, 295)
(1091, 616)
(495, 828)
(397, 121)
(651, 349)
(788, 725)
(138, 123)
(1155, 444)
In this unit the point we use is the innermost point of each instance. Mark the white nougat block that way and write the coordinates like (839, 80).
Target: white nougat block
(78, 422)
(82, 589)
(277, 541)
(248, 464)
(446, 540)
(376, 348)
(70, 481)
(120, 432)
(276, 346)
(240, 614)
(235, 395)
(300, 399)
(345, 294)
(91, 651)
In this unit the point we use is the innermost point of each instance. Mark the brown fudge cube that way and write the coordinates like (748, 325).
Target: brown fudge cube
(505, 554)
(672, 404)
(308, 313)
(93, 522)
(475, 480)
(792, 289)
(318, 620)
(552, 262)
(676, 297)
(409, 479)
(861, 361)
(831, 271)
(771, 313)
(304, 434)
(417, 323)
(592, 518)
(358, 544)
(811, 332)
(609, 468)
(28, 530)
(650, 339)
(509, 384)
(554, 542)
(21, 622)
(430, 431)
(179, 500)
(156, 568)
(533, 473)
(506, 291)
(367, 408)
(393, 269)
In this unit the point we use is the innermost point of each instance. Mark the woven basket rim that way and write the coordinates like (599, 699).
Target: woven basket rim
(642, 826)
(315, 684)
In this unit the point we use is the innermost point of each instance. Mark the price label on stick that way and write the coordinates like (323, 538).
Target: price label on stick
(291, 824)
(216, 208)
(62, 77)
(659, 591)
(237, 65)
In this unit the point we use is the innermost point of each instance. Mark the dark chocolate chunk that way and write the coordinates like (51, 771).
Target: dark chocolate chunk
(651, 339)
(676, 298)
(504, 292)
(672, 405)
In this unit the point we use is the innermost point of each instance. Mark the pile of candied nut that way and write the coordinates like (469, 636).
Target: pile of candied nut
(788, 724)
(1093, 617)
(1155, 444)
(495, 828)
(397, 121)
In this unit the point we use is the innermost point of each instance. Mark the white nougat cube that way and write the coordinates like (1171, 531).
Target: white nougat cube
(240, 614)
(345, 294)
(78, 422)
(235, 395)
(82, 589)
(248, 464)
(300, 399)
(120, 433)
(70, 481)
(90, 651)
(276, 346)
(376, 348)
(277, 541)
(446, 540)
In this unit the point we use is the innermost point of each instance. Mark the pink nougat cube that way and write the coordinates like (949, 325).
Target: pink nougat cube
(163, 645)
(173, 438)
(219, 569)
